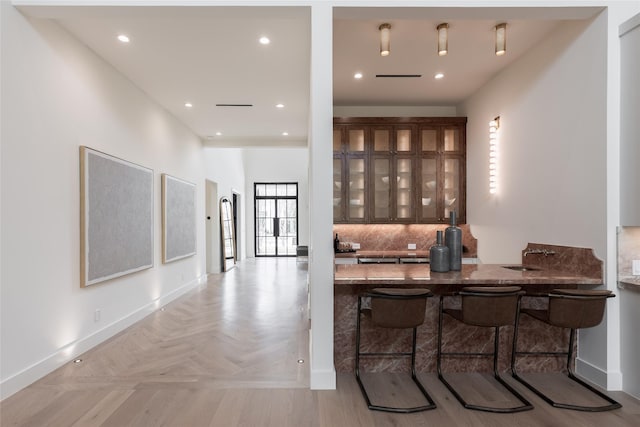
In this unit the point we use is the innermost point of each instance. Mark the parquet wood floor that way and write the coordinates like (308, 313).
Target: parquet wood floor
(226, 354)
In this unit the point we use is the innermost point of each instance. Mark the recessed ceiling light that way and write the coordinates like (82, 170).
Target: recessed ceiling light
(77, 361)
(357, 76)
(188, 104)
(123, 38)
(218, 133)
(264, 40)
(285, 133)
(438, 76)
(279, 105)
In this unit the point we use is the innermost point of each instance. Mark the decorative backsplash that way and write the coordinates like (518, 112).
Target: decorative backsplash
(628, 250)
(396, 237)
(567, 258)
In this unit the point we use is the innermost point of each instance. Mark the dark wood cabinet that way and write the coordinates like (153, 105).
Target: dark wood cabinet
(399, 170)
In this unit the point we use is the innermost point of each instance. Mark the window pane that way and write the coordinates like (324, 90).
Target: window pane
(451, 140)
(429, 139)
(260, 191)
(356, 140)
(292, 190)
(337, 140)
(381, 140)
(271, 190)
(403, 140)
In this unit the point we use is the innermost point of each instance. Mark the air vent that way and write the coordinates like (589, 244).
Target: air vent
(398, 75)
(234, 105)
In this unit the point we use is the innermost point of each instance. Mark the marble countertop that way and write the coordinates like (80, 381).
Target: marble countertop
(629, 282)
(470, 275)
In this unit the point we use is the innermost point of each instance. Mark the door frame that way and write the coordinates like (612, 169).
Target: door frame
(276, 198)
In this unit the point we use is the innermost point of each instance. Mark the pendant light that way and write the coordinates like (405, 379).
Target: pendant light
(443, 39)
(385, 39)
(501, 39)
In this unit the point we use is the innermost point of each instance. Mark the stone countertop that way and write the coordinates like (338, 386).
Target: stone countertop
(629, 282)
(470, 275)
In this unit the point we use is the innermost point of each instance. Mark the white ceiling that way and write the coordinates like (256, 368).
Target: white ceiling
(211, 55)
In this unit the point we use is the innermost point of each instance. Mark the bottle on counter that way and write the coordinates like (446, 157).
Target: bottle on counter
(439, 255)
(336, 244)
(453, 240)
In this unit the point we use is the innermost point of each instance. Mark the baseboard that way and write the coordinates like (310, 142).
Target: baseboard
(322, 379)
(69, 352)
(595, 375)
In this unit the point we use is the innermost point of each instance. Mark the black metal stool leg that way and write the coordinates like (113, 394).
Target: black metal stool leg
(526, 405)
(612, 403)
(431, 404)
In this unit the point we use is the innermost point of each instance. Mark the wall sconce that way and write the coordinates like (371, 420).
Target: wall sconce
(385, 39)
(443, 39)
(501, 39)
(494, 126)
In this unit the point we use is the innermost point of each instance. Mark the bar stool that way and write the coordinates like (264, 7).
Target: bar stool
(572, 309)
(399, 309)
(487, 307)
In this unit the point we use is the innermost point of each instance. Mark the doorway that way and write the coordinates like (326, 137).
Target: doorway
(276, 219)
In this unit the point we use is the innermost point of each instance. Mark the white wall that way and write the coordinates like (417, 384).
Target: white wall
(552, 104)
(56, 96)
(277, 165)
(225, 167)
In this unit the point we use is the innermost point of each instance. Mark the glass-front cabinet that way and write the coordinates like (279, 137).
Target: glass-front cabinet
(392, 169)
(442, 178)
(398, 170)
(350, 187)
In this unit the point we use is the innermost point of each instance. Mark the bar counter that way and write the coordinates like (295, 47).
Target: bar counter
(352, 280)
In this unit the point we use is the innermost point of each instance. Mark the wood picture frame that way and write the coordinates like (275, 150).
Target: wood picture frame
(116, 217)
(178, 219)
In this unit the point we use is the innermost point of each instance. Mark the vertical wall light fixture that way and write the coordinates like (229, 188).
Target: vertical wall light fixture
(443, 38)
(501, 39)
(385, 39)
(494, 126)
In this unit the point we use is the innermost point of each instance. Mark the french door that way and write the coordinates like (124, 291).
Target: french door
(276, 219)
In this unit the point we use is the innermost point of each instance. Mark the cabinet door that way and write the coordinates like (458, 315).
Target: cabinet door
(356, 189)
(404, 189)
(452, 189)
(338, 189)
(381, 180)
(355, 140)
(428, 191)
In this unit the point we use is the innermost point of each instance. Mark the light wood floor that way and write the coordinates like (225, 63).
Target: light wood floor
(227, 354)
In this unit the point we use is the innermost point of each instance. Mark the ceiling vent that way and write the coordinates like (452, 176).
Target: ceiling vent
(399, 75)
(234, 105)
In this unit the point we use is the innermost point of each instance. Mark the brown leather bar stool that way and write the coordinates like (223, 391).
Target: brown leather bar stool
(572, 309)
(491, 307)
(398, 309)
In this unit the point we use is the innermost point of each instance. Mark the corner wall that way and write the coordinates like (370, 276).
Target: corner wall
(56, 96)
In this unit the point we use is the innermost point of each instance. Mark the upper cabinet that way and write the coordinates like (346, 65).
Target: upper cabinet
(399, 170)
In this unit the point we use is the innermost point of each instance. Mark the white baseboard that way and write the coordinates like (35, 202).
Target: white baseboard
(322, 379)
(69, 352)
(593, 374)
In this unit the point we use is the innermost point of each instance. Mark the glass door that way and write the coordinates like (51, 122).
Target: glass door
(276, 219)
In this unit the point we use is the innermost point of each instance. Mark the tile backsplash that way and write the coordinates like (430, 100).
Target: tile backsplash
(396, 237)
(628, 250)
